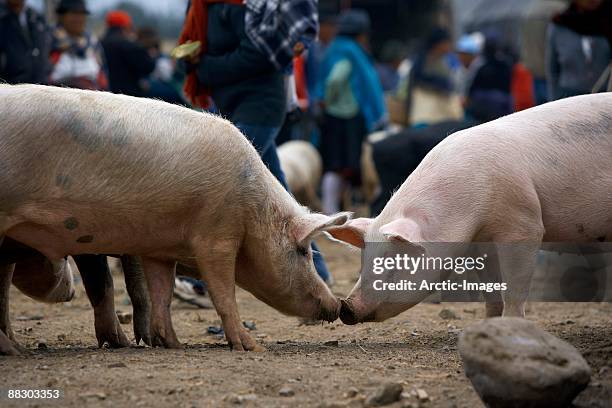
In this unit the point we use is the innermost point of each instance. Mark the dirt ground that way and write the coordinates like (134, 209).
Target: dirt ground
(321, 365)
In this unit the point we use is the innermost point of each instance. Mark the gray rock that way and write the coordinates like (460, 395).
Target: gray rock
(286, 392)
(513, 363)
(241, 399)
(385, 395)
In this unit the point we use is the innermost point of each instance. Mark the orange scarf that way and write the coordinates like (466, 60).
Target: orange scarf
(196, 29)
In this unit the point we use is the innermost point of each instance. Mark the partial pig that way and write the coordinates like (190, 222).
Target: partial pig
(302, 166)
(92, 172)
(36, 277)
(538, 175)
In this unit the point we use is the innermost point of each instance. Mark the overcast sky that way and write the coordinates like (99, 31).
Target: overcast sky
(162, 7)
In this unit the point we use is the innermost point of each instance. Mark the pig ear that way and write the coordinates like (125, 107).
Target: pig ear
(402, 230)
(307, 226)
(353, 232)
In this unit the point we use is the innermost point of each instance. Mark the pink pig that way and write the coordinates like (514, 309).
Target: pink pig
(90, 172)
(540, 175)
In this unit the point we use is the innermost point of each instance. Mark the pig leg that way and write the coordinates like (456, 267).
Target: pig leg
(159, 276)
(98, 284)
(136, 286)
(8, 346)
(219, 273)
(494, 304)
(517, 263)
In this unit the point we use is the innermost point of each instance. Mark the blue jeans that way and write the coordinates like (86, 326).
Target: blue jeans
(263, 138)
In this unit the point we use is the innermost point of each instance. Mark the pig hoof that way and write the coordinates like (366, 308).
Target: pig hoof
(160, 339)
(145, 339)
(246, 343)
(141, 330)
(10, 348)
(115, 338)
(258, 348)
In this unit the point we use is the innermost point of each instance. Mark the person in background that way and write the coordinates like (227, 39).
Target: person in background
(575, 61)
(468, 49)
(431, 68)
(247, 84)
(354, 105)
(164, 82)
(489, 94)
(128, 62)
(522, 85)
(391, 57)
(24, 44)
(76, 56)
(533, 43)
(433, 93)
(316, 53)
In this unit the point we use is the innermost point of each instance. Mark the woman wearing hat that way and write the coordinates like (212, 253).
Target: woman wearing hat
(75, 53)
(354, 105)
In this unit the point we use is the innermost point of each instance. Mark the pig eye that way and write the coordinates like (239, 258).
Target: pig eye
(302, 251)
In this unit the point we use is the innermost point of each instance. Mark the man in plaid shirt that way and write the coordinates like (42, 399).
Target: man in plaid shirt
(280, 29)
(246, 46)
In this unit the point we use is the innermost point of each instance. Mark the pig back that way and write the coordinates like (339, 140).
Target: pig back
(92, 146)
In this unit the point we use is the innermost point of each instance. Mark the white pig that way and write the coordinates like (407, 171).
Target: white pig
(92, 172)
(540, 175)
(302, 166)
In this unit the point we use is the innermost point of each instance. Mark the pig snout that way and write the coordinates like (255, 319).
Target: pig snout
(351, 313)
(347, 314)
(329, 310)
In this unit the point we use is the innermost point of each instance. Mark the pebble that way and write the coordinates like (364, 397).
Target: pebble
(286, 392)
(331, 343)
(351, 392)
(98, 395)
(447, 314)
(421, 394)
(512, 362)
(249, 325)
(385, 395)
(117, 365)
(42, 344)
(241, 399)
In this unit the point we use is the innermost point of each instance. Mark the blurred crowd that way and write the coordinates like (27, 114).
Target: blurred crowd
(124, 60)
(282, 72)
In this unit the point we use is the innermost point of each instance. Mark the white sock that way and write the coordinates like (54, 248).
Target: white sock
(332, 186)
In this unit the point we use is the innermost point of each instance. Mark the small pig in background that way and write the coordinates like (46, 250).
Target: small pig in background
(543, 174)
(92, 172)
(303, 167)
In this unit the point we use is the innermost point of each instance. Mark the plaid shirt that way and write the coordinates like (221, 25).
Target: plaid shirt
(276, 26)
